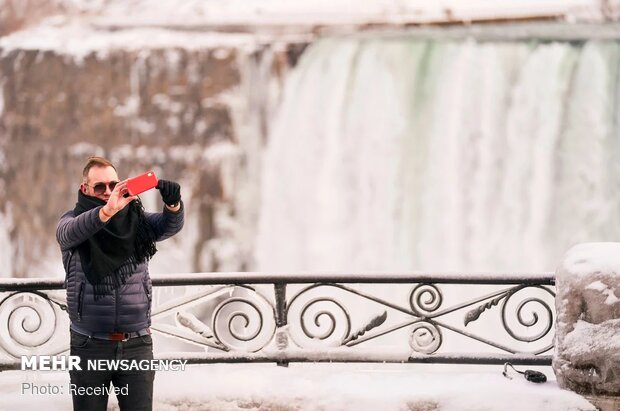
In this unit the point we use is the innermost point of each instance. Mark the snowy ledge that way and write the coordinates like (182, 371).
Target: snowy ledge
(590, 258)
(80, 40)
(330, 12)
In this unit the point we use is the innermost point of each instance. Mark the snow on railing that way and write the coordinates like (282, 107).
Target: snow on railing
(479, 318)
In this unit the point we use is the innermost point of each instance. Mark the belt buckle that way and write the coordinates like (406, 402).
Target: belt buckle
(118, 336)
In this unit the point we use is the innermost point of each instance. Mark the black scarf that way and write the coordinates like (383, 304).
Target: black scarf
(111, 256)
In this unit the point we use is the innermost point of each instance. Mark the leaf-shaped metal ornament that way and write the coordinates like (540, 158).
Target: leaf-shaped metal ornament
(474, 314)
(375, 322)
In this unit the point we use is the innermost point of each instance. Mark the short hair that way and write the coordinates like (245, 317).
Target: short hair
(94, 161)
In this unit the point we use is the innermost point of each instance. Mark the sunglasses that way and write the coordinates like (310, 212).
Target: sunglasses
(99, 188)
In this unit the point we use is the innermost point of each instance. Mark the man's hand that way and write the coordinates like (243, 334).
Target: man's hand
(170, 192)
(116, 202)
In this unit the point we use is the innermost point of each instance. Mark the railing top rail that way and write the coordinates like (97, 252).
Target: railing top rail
(217, 278)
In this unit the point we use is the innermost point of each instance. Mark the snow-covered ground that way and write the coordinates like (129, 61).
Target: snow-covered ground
(321, 387)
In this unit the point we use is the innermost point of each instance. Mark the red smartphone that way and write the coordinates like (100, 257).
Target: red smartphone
(141, 183)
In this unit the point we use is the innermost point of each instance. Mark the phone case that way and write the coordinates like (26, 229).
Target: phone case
(141, 183)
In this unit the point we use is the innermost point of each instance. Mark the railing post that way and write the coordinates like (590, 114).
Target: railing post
(281, 321)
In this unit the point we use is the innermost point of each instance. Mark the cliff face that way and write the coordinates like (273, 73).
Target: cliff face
(189, 114)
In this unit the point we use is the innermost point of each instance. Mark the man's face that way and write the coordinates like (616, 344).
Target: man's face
(98, 182)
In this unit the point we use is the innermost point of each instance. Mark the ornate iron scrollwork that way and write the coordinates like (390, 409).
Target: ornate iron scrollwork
(474, 314)
(530, 301)
(433, 300)
(321, 330)
(374, 323)
(238, 321)
(28, 322)
(320, 315)
(425, 337)
(505, 298)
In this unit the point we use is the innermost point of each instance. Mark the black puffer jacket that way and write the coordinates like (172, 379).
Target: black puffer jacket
(128, 308)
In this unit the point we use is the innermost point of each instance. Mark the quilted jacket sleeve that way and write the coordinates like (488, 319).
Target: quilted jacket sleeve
(72, 231)
(167, 223)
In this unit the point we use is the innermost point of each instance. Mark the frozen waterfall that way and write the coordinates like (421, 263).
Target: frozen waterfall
(408, 154)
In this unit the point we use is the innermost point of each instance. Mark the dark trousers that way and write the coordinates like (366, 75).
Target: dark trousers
(139, 391)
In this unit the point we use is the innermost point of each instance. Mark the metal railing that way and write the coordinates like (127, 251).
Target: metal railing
(313, 317)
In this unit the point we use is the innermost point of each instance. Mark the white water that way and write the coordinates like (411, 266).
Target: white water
(404, 154)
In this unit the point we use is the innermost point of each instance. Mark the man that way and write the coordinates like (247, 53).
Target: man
(106, 242)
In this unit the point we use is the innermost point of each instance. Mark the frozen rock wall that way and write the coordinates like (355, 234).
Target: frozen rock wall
(587, 355)
(178, 103)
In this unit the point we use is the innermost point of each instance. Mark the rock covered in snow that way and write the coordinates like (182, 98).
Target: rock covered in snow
(587, 355)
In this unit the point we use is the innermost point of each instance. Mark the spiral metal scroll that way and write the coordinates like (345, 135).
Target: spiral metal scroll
(27, 322)
(425, 337)
(324, 314)
(433, 299)
(533, 320)
(242, 323)
(319, 320)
